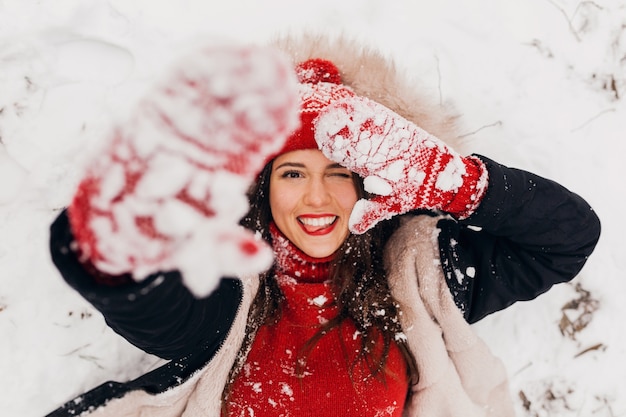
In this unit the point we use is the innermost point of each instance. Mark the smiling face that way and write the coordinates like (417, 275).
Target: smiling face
(311, 199)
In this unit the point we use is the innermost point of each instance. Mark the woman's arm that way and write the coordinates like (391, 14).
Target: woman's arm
(159, 315)
(528, 234)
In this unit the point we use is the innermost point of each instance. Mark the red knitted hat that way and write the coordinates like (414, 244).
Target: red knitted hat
(320, 85)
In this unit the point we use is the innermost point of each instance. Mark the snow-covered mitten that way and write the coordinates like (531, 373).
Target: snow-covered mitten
(406, 167)
(169, 187)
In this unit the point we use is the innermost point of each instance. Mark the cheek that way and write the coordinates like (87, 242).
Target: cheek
(281, 200)
(347, 198)
(275, 203)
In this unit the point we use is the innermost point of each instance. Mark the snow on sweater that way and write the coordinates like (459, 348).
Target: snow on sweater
(269, 383)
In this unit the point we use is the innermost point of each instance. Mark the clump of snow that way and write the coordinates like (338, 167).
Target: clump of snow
(451, 178)
(470, 271)
(319, 301)
(377, 185)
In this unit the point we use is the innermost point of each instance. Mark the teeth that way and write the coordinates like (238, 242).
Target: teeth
(318, 222)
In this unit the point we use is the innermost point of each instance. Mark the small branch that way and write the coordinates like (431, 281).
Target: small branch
(91, 359)
(76, 350)
(589, 349)
(593, 118)
(606, 406)
(498, 123)
(525, 401)
(569, 21)
(584, 3)
(523, 368)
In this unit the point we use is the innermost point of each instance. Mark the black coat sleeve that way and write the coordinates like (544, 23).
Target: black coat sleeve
(159, 315)
(528, 234)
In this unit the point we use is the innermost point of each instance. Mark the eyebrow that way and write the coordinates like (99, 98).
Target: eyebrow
(301, 165)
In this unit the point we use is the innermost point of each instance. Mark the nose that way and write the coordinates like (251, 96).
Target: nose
(317, 193)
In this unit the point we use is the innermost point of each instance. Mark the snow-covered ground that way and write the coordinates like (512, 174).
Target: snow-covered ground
(540, 85)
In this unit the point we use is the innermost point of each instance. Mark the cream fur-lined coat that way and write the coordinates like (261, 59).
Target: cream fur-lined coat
(459, 377)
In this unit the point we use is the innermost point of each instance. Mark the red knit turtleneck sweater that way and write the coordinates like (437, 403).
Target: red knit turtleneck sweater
(268, 384)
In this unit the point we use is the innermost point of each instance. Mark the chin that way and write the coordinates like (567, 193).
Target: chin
(323, 253)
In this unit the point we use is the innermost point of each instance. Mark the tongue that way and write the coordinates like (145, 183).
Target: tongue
(313, 229)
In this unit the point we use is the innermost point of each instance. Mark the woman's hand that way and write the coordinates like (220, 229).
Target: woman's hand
(169, 187)
(406, 167)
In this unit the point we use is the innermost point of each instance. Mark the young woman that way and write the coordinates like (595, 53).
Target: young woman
(385, 245)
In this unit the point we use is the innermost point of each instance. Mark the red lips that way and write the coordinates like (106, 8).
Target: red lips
(317, 224)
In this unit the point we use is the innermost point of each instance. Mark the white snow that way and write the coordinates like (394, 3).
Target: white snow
(319, 301)
(451, 177)
(539, 85)
(377, 185)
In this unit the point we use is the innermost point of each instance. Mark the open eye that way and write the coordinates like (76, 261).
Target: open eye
(291, 174)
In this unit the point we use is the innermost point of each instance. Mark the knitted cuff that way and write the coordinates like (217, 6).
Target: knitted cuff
(469, 195)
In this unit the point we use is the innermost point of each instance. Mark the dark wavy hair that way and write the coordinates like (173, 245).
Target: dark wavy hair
(359, 282)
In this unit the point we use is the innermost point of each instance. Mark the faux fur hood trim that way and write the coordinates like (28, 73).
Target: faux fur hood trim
(370, 74)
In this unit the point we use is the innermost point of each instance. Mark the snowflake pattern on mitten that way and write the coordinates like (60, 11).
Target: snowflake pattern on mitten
(404, 166)
(169, 188)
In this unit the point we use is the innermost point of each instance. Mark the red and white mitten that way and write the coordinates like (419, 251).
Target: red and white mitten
(406, 167)
(169, 187)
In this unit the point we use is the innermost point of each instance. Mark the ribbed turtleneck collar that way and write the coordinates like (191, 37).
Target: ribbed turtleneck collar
(293, 263)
